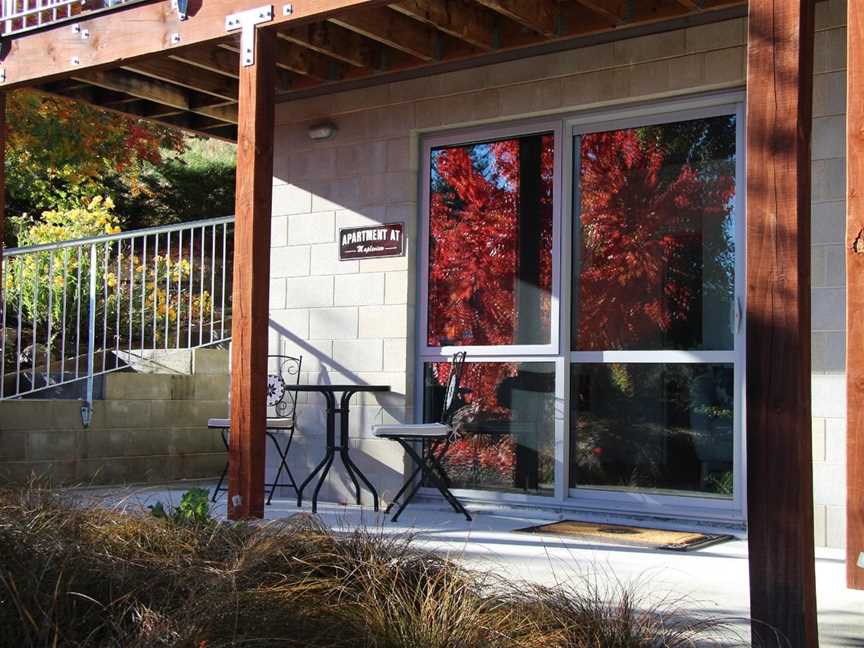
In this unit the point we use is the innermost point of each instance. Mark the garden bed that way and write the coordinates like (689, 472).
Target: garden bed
(73, 575)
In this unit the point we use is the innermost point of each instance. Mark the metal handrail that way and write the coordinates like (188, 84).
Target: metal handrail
(161, 229)
(17, 16)
(72, 306)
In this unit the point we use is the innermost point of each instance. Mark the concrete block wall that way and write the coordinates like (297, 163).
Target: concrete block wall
(150, 428)
(829, 274)
(355, 320)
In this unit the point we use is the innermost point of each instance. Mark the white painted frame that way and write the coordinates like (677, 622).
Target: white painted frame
(605, 501)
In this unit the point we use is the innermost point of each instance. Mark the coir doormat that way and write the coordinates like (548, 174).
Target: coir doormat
(628, 535)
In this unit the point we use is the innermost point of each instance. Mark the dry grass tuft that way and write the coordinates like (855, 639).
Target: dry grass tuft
(87, 577)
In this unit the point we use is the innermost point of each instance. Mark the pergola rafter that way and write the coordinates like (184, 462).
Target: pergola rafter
(195, 63)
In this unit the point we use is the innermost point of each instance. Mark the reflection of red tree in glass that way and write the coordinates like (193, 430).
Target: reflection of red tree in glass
(639, 230)
(474, 256)
(496, 456)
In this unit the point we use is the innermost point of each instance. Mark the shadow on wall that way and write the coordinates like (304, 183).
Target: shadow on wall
(309, 448)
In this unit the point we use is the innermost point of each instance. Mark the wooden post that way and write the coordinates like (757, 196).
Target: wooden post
(250, 306)
(855, 296)
(779, 453)
(2, 201)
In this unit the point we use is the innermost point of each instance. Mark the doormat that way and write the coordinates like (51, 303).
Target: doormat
(628, 535)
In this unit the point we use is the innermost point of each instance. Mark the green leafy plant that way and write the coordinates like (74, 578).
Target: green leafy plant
(194, 508)
(722, 483)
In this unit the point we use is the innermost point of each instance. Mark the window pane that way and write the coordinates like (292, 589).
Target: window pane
(505, 425)
(490, 245)
(654, 262)
(652, 427)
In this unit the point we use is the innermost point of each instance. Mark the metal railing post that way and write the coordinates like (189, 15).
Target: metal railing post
(87, 408)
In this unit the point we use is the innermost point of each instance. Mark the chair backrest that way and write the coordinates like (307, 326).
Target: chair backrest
(451, 391)
(284, 372)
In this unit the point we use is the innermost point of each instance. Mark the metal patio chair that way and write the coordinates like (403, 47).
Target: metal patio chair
(434, 440)
(282, 401)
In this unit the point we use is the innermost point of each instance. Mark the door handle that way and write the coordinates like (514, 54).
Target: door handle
(739, 314)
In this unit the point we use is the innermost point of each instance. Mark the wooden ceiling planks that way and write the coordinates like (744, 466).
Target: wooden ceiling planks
(370, 40)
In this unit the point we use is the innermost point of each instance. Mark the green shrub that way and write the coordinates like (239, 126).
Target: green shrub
(194, 508)
(37, 280)
(47, 284)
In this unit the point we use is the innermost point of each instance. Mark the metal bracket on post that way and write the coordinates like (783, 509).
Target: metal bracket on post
(182, 7)
(246, 21)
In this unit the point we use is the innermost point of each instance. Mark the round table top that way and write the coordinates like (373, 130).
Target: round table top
(338, 388)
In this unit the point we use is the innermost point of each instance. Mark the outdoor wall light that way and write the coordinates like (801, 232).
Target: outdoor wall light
(322, 131)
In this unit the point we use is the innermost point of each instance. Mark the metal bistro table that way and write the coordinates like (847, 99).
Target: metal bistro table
(329, 392)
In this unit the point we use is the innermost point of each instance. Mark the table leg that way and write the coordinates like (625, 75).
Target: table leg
(224, 470)
(343, 452)
(311, 476)
(349, 462)
(327, 461)
(346, 457)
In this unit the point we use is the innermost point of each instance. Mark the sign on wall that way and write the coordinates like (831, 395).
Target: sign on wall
(371, 242)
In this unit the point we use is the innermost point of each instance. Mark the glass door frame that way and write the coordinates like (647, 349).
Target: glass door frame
(547, 353)
(564, 128)
(645, 502)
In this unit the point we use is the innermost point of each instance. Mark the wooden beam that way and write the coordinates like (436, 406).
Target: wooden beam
(536, 15)
(779, 425)
(454, 17)
(157, 92)
(138, 31)
(213, 59)
(333, 41)
(226, 133)
(143, 109)
(186, 76)
(394, 30)
(302, 61)
(292, 60)
(612, 11)
(3, 127)
(855, 295)
(136, 86)
(249, 334)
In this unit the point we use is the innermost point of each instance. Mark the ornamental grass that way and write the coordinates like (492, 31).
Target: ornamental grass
(88, 576)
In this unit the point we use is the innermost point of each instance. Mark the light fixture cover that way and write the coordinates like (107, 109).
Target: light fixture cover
(322, 131)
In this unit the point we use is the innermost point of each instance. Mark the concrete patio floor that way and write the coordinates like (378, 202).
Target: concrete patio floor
(712, 581)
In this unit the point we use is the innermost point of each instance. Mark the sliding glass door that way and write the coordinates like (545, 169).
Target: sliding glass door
(598, 300)
(655, 314)
(492, 283)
